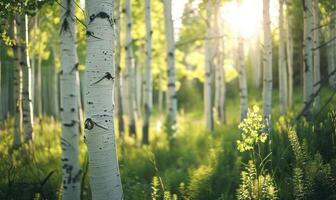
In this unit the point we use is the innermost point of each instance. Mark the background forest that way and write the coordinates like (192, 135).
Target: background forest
(167, 99)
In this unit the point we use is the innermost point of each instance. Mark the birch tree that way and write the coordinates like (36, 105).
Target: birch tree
(148, 92)
(209, 55)
(18, 87)
(100, 138)
(130, 69)
(171, 69)
(308, 56)
(69, 93)
(242, 80)
(220, 74)
(290, 51)
(282, 62)
(316, 52)
(119, 80)
(267, 83)
(27, 104)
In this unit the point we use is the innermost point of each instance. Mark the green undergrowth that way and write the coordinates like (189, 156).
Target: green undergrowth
(194, 164)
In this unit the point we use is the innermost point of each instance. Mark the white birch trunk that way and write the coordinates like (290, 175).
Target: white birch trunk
(308, 56)
(220, 72)
(267, 85)
(119, 80)
(242, 80)
(282, 62)
(100, 138)
(131, 69)
(208, 62)
(71, 171)
(171, 70)
(148, 91)
(27, 104)
(290, 50)
(18, 88)
(316, 52)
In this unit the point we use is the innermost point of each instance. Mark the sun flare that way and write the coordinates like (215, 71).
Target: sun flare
(244, 18)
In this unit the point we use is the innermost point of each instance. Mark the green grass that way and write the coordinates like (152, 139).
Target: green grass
(196, 164)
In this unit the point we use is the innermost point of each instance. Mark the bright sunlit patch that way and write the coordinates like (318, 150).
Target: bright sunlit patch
(230, 71)
(158, 126)
(245, 18)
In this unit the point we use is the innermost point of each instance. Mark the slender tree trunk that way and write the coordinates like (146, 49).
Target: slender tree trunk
(242, 80)
(290, 51)
(80, 105)
(220, 72)
(282, 62)
(209, 55)
(138, 81)
(99, 124)
(131, 69)
(119, 81)
(331, 53)
(70, 121)
(27, 105)
(171, 69)
(222, 86)
(18, 86)
(256, 63)
(148, 92)
(38, 87)
(316, 52)
(267, 85)
(54, 72)
(308, 56)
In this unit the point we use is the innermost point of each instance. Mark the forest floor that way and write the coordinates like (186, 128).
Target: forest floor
(192, 164)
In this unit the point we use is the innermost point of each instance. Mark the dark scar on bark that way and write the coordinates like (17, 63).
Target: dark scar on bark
(108, 76)
(89, 124)
(75, 67)
(102, 15)
(90, 33)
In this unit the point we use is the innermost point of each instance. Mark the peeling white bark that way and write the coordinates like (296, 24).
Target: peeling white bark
(71, 171)
(308, 56)
(100, 138)
(267, 85)
(171, 69)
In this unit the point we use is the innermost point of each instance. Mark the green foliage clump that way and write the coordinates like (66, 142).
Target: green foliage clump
(256, 182)
(254, 186)
(252, 131)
